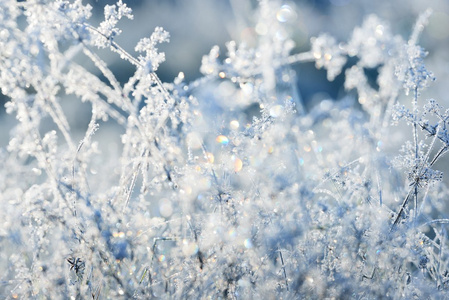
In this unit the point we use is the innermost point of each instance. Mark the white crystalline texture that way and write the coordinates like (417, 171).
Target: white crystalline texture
(152, 58)
(413, 72)
(223, 187)
(328, 55)
(371, 42)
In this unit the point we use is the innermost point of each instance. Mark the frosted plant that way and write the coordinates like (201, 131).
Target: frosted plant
(224, 187)
(327, 54)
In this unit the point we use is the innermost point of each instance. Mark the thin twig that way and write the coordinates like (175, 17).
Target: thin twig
(404, 203)
(133, 181)
(283, 268)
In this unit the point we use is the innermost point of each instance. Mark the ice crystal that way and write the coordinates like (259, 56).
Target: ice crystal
(108, 28)
(328, 54)
(414, 74)
(152, 58)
